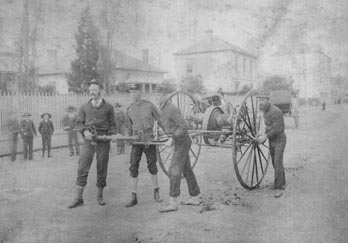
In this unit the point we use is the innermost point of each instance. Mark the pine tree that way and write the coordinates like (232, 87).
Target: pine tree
(84, 68)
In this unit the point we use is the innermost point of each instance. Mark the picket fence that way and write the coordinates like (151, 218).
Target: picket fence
(55, 104)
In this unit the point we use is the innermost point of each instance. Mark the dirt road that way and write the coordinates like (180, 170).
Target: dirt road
(314, 208)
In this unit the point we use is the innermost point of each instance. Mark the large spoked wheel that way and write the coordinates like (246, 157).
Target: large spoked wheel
(186, 103)
(210, 123)
(250, 159)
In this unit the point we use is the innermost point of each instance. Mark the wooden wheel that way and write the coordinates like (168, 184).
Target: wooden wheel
(250, 159)
(210, 123)
(185, 102)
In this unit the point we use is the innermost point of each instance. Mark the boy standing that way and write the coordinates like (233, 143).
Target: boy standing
(46, 130)
(28, 132)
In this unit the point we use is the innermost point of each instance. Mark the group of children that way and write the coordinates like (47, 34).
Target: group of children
(27, 130)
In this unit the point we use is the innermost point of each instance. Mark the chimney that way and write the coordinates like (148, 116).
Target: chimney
(145, 53)
(209, 34)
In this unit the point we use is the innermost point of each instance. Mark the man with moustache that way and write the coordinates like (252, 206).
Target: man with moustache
(99, 114)
(274, 132)
(140, 117)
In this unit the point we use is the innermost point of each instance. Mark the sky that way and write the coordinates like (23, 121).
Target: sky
(166, 26)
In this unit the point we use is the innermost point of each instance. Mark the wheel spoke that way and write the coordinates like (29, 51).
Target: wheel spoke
(262, 154)
(265, 146)
(193, 153)
(254, 113)
(243, 154)
(170, 152)
(249, 164)
(255, 162)
(251, 130)
(245, 123)
(258, 151)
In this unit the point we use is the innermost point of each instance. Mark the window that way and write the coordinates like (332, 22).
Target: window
(244, 66)
(52, 56)
(1, 27)
(236, 64)
(189, 68)
(251, 68)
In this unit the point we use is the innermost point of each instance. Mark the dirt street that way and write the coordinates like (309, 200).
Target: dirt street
(314, 208)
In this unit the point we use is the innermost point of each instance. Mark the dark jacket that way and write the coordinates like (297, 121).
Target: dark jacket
(69, 122)
(46, 127)
(173, 122)
(12, 126)
(27, 128)
(120, 119)
(140, 116)
(274, 122)
(102, 117)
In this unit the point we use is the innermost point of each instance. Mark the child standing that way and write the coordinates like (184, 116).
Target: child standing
(28, 132)
(46, 130)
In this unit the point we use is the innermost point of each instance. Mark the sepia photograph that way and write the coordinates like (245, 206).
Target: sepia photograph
(173, 121)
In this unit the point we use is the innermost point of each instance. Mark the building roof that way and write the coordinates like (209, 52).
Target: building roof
(141, 77)
(213, 44)
(126, 62)
(51, 69)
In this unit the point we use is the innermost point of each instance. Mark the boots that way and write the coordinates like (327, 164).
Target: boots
(173, 206)
(133, 201)
(100, 196)
(78, 201)
(43, 153)
(156, 195)
(49, 153)
(193, 201)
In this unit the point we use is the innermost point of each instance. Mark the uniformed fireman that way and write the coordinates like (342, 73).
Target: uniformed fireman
(274, 122)
(140, 118)
(176, 127)
(97, 114)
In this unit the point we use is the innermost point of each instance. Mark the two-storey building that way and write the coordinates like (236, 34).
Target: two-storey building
(219, 63)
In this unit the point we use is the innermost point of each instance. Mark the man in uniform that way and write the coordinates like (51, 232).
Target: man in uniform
(99, 114)
(140, 117)
(69, 123)
(274, 122)
(176, 127)
(28, 131)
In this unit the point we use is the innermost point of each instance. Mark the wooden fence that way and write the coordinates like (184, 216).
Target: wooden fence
(56, 105)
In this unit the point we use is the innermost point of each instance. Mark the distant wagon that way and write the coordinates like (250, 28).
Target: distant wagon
(284, 100)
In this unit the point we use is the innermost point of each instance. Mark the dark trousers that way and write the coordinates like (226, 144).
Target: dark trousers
(13, 139)
(120, 143)
(277, 147)
(88, 150)
(181, 165)
(73, 140)
(120, 147)
(46, 141)
(135, 157)
(28, 146)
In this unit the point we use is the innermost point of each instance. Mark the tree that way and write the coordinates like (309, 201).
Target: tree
(193, 84)
(32, 17)
(276, 83)
(110, 16)
(84, 68)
